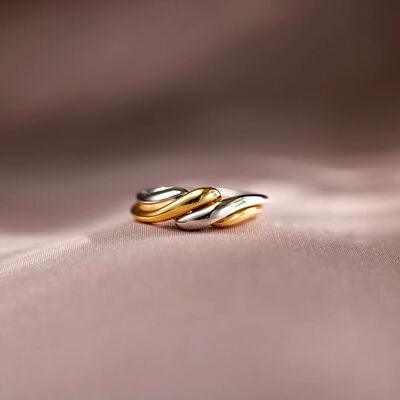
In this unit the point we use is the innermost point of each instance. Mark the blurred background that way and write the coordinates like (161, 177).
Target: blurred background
(295, 99)
(101, 98)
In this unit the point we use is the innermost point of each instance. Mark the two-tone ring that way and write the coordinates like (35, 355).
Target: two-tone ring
(197, 209)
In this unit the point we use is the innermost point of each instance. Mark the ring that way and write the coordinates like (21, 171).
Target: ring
(198, 208)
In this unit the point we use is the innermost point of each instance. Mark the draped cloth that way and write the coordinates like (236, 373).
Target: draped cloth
(297, 100)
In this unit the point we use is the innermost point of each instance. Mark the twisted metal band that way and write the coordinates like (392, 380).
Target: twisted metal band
(198, 208)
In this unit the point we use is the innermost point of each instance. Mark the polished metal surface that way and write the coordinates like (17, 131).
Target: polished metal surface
(179, 206)
(238, 216)
(214, 213)
(160, 193)
(197, 209)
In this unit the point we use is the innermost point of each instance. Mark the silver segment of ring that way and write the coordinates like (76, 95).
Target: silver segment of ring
(160, 193)
(207, 216)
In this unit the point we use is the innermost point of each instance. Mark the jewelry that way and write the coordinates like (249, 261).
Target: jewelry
(198, 208)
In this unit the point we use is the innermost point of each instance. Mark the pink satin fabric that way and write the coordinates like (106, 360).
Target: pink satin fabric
(296, 101)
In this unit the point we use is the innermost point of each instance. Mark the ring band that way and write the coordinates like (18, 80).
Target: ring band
(197, 209)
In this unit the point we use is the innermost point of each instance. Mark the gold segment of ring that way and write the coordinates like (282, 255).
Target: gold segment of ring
(188, 202)
(154, 205)
(239, 216)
